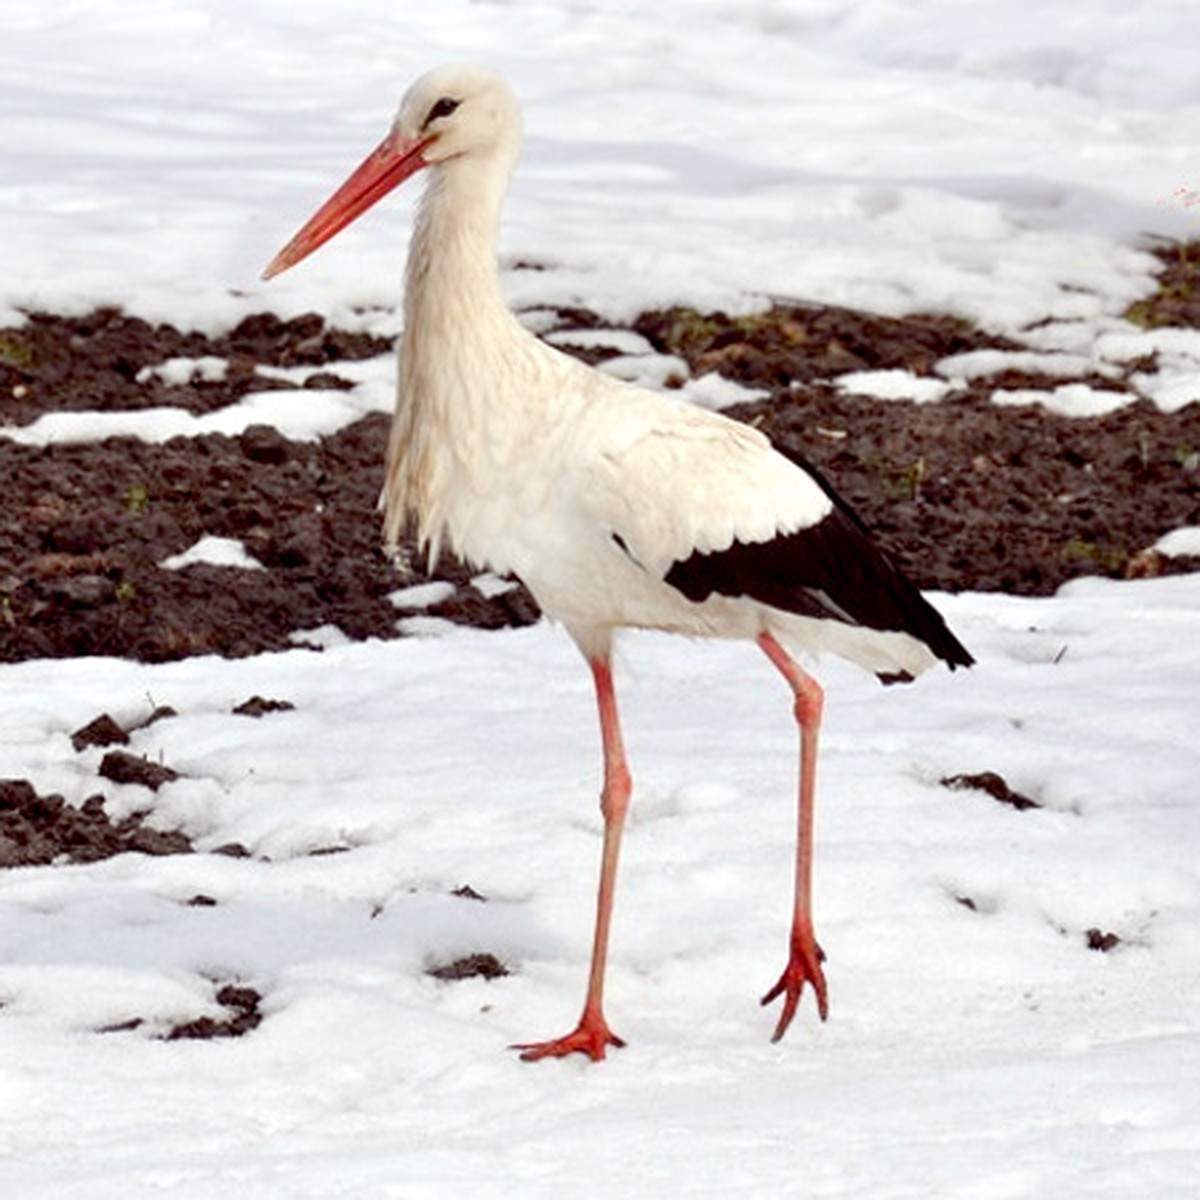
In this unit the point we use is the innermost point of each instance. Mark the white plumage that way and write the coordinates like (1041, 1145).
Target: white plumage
(614, 505)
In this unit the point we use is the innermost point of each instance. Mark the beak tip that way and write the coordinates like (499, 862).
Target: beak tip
(275, 267)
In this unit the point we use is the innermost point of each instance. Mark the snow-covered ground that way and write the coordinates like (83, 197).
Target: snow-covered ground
(997, 162)
(970, 1052)
(896, 155)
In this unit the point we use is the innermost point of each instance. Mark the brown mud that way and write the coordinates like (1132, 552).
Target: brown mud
(968, 495)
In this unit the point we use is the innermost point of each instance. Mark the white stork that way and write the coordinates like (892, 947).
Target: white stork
(614, 505)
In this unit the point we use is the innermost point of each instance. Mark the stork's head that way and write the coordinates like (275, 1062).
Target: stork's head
(457, 113)
(458, 109)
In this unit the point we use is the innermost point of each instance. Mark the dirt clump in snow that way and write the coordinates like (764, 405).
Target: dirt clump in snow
(38, 830)
(241, 1005)
(470, 966)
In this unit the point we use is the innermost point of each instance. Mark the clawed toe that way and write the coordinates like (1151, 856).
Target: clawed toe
(804, 966)
(591, 1037)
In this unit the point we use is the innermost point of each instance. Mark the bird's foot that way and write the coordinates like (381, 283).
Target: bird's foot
(591, 1036)
(804, 966)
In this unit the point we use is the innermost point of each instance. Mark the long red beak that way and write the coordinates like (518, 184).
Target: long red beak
(386, 167)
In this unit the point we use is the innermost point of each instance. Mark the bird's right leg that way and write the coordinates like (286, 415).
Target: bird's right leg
(592, 1035)
(805, 958)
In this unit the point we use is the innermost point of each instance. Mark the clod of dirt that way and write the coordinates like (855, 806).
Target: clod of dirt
(264, 444)
(242, 1004)
(487, 966)
(123, 767)
(232, 850)
(991, 783)
(103, 731)
(257, 706)
(1097, 939)
(122, 1026)
(160, 713)
(38, 830)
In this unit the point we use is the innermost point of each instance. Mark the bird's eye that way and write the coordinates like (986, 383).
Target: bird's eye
(443, 108)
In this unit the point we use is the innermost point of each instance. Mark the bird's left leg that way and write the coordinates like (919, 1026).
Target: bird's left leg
(592, 1035)
(804, 961)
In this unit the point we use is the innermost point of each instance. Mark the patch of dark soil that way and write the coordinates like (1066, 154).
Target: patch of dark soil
(791, 345)
(106, 360)
(966, 494)
(232, 850)
(240, 1002)
(160, 713)
(122, 767)
(88, 527)
(122, 1026)
(993, 785)
(1097, 939)
(1176, 302)
(257, 706)
(38, 830)
(484, 966)
(103, 731)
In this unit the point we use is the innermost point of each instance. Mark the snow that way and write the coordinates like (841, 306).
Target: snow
(1180, 542)
(1173, 392)
(646, 370)
(206, 369)
(1001, 164)
(216, 551)
(1066, 400)
(321, 637)
(623, 340)
(891, 155)
(422, 595)
(978, 364)
(714, 391)
(320, 412)
(489, 585)
(983, 1052)
(893, 384)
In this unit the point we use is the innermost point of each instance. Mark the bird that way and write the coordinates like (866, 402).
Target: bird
(617, 506)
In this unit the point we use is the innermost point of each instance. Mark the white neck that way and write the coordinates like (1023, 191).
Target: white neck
(451, 283)
(460, 343)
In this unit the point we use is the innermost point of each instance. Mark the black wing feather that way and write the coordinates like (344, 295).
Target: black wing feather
(832, 570)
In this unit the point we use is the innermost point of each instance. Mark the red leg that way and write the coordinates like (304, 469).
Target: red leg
(592, 1035)
(804, 961)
